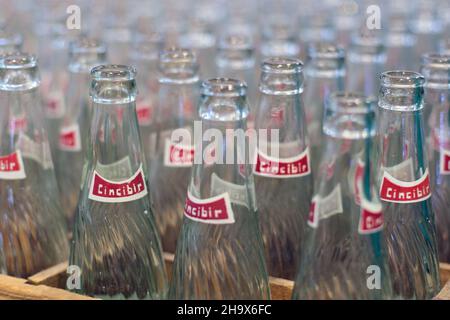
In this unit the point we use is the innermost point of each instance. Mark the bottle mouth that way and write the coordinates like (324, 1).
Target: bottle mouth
(14, 40)
(235, 42)
(325, 50)
(147, 46)
(401, 79)
(351, 103)
(224, 87)
(113, 72)
(367, 46)
(282, 65)
(178, 64)
(86, 53)
(436, 70)
(18, 71)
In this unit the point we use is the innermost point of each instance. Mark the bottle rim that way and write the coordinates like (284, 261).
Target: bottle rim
(17, 60)
(351, 102)
(402, 79)
(224, 87)
(113, 72)
(325, 50)
(436, 60)
(14, 39)
(283, 65)
(87, 45)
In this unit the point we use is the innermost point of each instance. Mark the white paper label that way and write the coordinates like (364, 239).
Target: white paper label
(11, 167)
(323, 208)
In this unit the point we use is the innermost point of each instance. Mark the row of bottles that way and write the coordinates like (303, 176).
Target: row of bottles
(372, 203)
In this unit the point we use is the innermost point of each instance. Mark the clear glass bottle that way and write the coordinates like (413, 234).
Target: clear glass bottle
(10, 42)
(236, 59)
(436, 70)
(324, 74)
(115, 242)
(85, 54)
(283, 183)
(33, 229)
(171, 165)
(144, 56)
(366, 58)
(220, 255)
(405, 186)
(344, 246)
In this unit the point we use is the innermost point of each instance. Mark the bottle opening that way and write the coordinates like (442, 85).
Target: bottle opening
(281, 76)
(325, 50)
(401, 79)
(113, 84)
(235, 51)
(282, 65)
(18, 71)
(325, 57)
(10, 42)
(436, 70)
(224, 87)
(178, 64)
(86, 53)
(351, 103)
(367, 47)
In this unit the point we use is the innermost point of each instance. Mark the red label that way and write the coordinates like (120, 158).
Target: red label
(17, 124)
(371, 219)
(103, 190)
(55, 105)
(313, 217)
(177, 155)
(11, 167)
(445, 161)
(215, 210)
(69, 138)
(393, 190)
(144, 113)
(267, 166)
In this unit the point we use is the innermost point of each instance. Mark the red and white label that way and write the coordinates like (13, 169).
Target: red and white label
(371, 219)
(70, 138)
(323, 208)
(293, 167)
(11, 167)
(215, 210)
(104, 190)
(178, 155)
(445, 162)
(237, 193)
(54, 108)
(37, 151)
(394, 190)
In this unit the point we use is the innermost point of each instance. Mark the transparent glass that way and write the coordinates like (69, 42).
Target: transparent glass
(325, 74)
(73, 134)
(436, 70)
(33, 231)
(410, 231)
(221, 259)
(115, 241)
(178, 94)
(366, 60)
(10, 42)
(400, 42)
(339, 248)
(283, 200)
(278, 38)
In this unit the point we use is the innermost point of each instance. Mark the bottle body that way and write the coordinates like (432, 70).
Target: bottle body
(115, 241)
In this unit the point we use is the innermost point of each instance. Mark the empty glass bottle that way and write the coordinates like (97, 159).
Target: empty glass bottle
(344, 255)
(436, 69)
(220, 251)
(325, 74)
(283, 183)
(405, 187)
(115, 242)
(171, 165)
(365, 61)
(278, 38)
(85, 54)
(33, 231)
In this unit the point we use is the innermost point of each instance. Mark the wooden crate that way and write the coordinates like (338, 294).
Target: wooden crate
(48, 284)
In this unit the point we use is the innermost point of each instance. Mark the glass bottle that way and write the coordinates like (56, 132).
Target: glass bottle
(220, 251)
(436, 69)
(10, 42)
(144, 56)
(366, 58)
(399, 44)
(405, 186)
(33, 229)
(85, 54)
(283, 184)
(171, 165)
(344, 254)
(325, 74)
(115, 242)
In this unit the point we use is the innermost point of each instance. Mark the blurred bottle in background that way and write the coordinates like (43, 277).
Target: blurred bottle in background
(10, 42)
(85, 54)
(172, 161)
(324, 74)
(436, 69)
(344, 239)
(405, 188)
